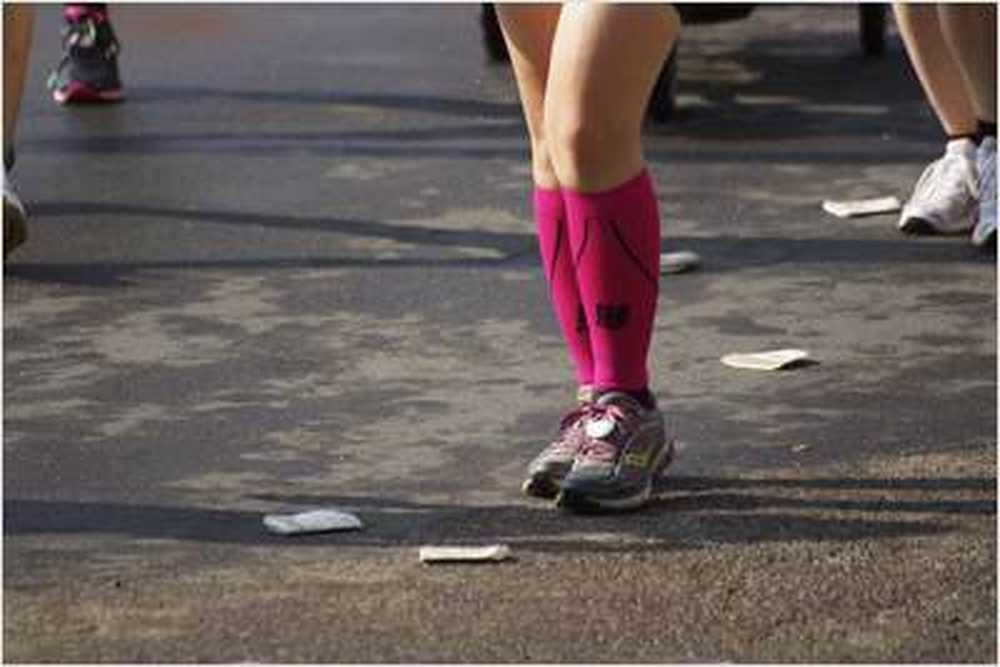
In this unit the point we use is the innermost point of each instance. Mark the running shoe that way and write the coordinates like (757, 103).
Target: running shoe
(88, 71)
(15, 218)
(548, 468)
(626, 446)
(944, 199)
(985, 234)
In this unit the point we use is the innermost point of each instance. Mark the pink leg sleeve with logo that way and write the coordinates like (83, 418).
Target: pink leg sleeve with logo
(615, 241)
(557, 260)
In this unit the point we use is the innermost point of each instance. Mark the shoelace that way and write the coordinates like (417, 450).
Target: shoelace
(570, 419)
(604, 450)
(931, 181)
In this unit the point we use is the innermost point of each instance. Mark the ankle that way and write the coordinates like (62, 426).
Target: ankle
(643, 397)
(985, 129)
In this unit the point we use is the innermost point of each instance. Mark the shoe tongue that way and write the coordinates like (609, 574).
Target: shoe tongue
(605, 427)
(618, 398)
(586, 394)
(963, 146)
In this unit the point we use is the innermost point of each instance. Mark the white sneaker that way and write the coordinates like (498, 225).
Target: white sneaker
(985, 232)
(15, 218)
(944, 199)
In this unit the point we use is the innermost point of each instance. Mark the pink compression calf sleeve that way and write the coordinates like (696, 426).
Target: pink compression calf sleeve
(615, 239)
(557, 260)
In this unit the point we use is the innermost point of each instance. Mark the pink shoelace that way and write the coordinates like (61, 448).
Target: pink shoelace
(570, 428)
(604, 449)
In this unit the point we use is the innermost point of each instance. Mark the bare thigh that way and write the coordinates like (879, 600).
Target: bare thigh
(529, 31)
(604, 63)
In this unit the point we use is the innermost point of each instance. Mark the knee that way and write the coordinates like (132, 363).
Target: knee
(542, 170)
(582, 146)
(572, 139)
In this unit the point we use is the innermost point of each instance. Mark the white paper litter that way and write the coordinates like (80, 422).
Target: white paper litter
(772, 360)
(858, 207)
(313, 521)
(679, 262)
(492, 553)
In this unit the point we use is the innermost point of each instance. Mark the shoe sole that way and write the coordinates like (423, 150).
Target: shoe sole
(918, 227)
(15, 228)
(79, 93)
(922, 227)
(541, 486)
(581, 502)
(988, 244)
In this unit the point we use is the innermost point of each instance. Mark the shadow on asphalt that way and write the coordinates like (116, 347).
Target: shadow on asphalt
(378, 145)
(840, 96)
(842, 83)
(719, 253)
(698, 512)
(498, 241)
(772, 98)
(447, 106)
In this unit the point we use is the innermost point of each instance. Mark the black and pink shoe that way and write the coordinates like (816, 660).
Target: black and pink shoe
(88, 72)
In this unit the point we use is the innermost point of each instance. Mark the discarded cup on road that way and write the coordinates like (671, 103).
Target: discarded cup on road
(679, 262)
(312, 521)
(772, 360)
(492, 553)
(858, 207)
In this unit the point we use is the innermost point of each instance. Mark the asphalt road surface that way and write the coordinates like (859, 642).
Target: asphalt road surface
(296, 268)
